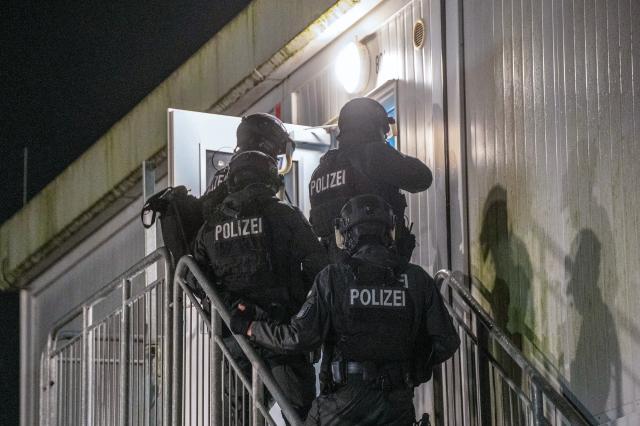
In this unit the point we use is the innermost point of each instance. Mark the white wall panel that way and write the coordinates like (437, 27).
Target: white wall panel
(553, 118)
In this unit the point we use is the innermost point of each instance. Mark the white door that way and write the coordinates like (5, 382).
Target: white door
(199, 143)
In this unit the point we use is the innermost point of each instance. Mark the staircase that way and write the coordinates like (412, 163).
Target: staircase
(139, 353)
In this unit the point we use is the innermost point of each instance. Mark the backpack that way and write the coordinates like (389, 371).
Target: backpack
(180, 216)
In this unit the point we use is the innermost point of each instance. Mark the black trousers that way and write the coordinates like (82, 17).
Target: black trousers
(294, 374)
(363, 404)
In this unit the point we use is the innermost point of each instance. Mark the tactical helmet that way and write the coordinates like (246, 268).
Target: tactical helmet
(263, 132)
(364, 217)
(249, 167)
(365, 119)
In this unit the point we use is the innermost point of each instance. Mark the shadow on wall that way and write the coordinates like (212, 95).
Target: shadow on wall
(596, 368)
(509, 297)
(510, 293)
(591, 274)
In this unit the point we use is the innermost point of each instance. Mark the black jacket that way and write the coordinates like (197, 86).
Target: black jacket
(320, 319)
(362, 168)
(389, 166)
(295, 253)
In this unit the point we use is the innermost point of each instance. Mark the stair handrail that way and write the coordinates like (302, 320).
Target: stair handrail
(542, 386)
(187, 263)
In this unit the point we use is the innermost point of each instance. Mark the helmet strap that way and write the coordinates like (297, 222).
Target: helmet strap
(339, 239)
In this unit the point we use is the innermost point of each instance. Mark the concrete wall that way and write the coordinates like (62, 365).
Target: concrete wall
(553, 116)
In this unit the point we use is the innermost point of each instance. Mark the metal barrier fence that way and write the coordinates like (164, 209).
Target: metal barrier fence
(488, 381)
(148, 354)
(84, 378)
(217, 380)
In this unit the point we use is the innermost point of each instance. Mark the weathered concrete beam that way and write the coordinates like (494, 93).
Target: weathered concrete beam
(261, 37)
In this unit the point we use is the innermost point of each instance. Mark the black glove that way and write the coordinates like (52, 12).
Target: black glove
(278, 313)
(327, 385)
(241, 320)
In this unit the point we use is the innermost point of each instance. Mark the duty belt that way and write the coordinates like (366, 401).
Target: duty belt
(388, 377)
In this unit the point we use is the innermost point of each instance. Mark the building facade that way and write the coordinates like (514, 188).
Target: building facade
(528, 113)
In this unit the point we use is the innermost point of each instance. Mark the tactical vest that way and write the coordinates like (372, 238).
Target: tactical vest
(378, 316)
(240, 251)
(334, 182)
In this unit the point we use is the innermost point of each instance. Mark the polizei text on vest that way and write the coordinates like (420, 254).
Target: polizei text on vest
(374, 297)
(238, 228)
(330, 180)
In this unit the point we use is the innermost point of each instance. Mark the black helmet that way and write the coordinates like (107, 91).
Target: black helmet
(364, 217)
(363, 119)
(250, 167)
(263, 132)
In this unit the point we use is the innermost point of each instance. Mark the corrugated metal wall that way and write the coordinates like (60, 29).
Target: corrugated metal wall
(553, 130)
(418, 72)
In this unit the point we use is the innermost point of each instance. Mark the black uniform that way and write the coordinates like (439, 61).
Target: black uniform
(377, 314)
(262, 251)
(363, 168)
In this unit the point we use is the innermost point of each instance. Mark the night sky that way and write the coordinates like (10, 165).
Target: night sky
(70, 70)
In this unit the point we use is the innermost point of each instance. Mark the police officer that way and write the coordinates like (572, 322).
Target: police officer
(256, 132)
(263, 253)
(364, 163)
(379, 311)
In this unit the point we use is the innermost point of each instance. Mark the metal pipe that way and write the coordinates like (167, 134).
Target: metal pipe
(537, 404)
(216, 373)
(84, 368)
(187, 263)
(124, 353)
(176, 367)
(167, 337)
(257, 393)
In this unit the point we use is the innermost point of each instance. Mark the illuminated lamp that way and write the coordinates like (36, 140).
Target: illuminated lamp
(352, 67)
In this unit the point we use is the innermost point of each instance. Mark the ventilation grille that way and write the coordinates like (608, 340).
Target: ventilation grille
(418, 34)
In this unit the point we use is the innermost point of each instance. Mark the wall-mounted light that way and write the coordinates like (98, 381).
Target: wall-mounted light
(352, 67)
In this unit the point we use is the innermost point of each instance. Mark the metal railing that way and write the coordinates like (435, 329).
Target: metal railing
(489, 381)
(149, 354)
(215, 381)
(105, 362)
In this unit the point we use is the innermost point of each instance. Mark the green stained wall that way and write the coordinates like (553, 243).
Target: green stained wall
(553, 131)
